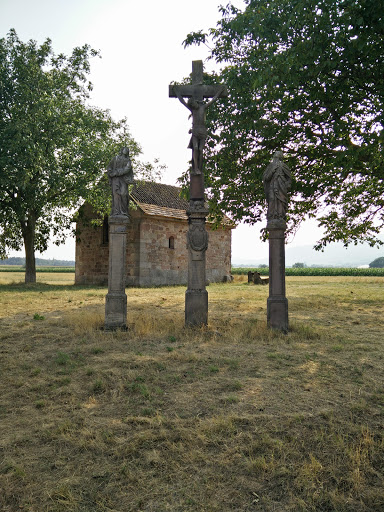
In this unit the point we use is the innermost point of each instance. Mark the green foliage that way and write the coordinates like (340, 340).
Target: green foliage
(36, 316)
(54, 146)
(377, 263)
(62, 359)
(98, 387)
(330, 271)
(299, 265)
(306, 77)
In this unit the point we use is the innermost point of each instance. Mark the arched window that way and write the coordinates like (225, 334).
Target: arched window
(171, 242)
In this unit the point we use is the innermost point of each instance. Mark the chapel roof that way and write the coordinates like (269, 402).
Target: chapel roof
(158, 194)
(157, 199)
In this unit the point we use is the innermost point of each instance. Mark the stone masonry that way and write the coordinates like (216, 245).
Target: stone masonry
(157, 252)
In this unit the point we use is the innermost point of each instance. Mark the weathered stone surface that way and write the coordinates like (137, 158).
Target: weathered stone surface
(255, 278)
(277, 180)
(115, 311)
(156, 241)
(149, 260)
(277, 304)
(116, 299)
(120, 175)
(277, 314)
(196, 298)
(196, 92)
(196, 308)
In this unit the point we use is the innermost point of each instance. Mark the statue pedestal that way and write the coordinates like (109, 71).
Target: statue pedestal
(196, 308)
(116, 299)
(196, 296)
(277, 303)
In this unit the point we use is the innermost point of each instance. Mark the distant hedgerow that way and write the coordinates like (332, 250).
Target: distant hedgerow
(326, 271)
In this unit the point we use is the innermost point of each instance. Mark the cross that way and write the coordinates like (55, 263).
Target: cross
(196, 296)
(196, 92)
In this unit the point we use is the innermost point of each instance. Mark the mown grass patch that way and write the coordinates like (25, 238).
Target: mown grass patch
(39, 269)
(162, 418)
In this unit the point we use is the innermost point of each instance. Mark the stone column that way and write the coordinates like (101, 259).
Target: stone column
(116, 299)
(277, 303)
(277, 182)
(196, 296)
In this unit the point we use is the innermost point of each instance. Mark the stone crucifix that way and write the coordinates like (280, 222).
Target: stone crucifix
(196, 298)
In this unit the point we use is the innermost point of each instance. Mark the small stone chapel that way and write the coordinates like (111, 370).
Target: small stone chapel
(156, 254)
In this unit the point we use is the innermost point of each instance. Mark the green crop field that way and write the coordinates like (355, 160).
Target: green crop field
(330, 271)
(17, 268)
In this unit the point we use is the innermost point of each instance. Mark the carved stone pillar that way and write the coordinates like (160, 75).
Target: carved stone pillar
(116, 299)
(277, 182)
(196, 296)
(277, 303)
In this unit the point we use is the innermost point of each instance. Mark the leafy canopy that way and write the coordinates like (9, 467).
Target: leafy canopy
(306, 77)
(54, 146)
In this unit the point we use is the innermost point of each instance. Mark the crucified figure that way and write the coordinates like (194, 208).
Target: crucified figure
(199, 131)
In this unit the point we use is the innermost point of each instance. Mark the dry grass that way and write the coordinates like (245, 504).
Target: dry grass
(233, 417)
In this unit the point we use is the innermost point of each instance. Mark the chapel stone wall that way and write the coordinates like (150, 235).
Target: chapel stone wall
(156, 252)
(92, 251)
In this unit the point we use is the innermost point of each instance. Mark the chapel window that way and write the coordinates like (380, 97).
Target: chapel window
(105, 234)
(171, 242)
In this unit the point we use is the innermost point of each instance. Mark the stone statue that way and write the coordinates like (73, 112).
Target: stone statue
(120, 175)
(277, 182)
(199, 131)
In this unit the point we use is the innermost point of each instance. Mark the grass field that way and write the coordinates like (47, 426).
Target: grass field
(233, 417)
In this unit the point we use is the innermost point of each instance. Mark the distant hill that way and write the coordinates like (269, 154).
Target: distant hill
(40, 262)
(335, 255)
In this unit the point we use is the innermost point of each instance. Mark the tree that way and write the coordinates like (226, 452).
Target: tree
(299, 265)
(306, 77)
(377, 263)
(53, 145)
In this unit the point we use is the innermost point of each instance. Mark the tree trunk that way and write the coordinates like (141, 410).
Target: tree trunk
(28, 229)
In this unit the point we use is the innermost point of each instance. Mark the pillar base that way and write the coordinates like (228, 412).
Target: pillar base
(115, 311)
(196, 308)
(277, 314)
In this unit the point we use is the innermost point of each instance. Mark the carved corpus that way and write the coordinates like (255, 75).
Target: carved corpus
(195, 93)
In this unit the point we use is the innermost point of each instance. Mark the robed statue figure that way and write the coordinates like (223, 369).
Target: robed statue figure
(277, 182)
(120, 175)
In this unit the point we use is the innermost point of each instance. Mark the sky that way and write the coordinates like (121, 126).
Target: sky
(141, 49)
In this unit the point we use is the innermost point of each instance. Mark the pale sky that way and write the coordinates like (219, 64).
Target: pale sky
(142, 52)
